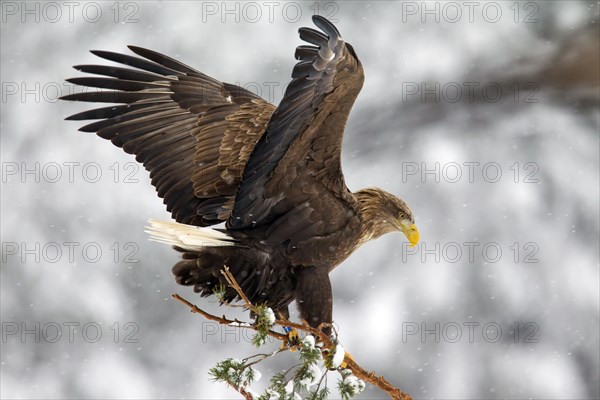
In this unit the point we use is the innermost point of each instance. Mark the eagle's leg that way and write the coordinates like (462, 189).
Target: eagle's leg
(314, 296)
(315, 299)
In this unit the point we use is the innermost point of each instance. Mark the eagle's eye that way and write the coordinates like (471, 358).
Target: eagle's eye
(401, 216)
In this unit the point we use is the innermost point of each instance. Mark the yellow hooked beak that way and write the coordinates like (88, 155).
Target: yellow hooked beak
(411, 231)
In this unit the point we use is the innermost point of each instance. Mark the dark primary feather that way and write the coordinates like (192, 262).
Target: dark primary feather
(180, 123)
(121, 73)
(135, 62)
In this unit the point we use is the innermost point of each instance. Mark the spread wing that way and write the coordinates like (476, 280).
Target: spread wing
(193, 133)
(294, 169)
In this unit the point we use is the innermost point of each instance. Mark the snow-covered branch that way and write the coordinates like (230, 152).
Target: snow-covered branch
(315, 347)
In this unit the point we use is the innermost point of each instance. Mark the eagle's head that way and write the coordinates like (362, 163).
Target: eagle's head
(383, 212)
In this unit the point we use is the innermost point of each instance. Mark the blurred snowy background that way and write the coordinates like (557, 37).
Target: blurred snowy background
(501, 298)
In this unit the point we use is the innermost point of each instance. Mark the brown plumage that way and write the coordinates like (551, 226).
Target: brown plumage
(219, 153)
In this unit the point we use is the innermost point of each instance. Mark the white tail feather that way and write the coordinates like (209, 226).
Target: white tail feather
(188, 237)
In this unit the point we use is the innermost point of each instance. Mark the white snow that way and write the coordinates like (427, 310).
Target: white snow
(308, 341)
(232, 372)
(289, 388)
(272, 395)
(315, 376)
(338, 356)
(240, 324)
(357, 384)
(270, 316)
(256, 373)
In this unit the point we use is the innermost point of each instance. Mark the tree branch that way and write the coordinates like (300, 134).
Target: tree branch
(328, 345)
(224, 321)
(378, 381)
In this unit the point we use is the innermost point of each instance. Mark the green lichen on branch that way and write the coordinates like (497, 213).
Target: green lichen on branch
(306, 379)
(219, 292)
(349, 386)
(236, 373)
(265, 318)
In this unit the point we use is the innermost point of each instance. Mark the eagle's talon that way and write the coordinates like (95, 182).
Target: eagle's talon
(347, 356)
(293, 339)
(343, 365)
